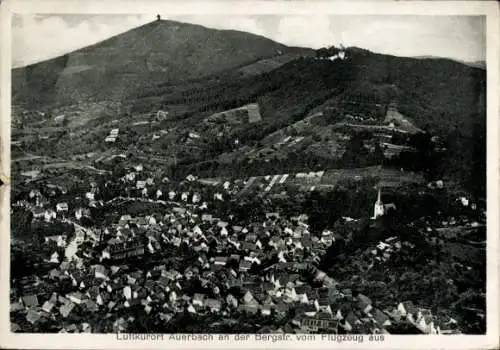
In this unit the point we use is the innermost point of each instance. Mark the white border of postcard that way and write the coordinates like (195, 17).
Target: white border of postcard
(110, 341)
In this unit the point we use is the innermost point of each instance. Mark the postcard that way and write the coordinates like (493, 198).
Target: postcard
(249, 174)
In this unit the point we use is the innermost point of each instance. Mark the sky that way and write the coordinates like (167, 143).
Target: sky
(36, 37)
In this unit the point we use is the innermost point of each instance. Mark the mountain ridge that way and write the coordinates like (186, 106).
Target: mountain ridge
(444, 97)
(475, 64)
(158, 51)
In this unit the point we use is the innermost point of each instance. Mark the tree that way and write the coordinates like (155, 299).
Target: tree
(21, 222)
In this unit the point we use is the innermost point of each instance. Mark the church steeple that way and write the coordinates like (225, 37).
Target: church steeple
(378, 208)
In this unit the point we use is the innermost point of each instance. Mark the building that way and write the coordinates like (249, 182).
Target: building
(62, 207)
(378, 208)
(161, 115)
(123, 250)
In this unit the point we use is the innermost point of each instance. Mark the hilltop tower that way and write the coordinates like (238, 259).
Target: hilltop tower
(378, 208)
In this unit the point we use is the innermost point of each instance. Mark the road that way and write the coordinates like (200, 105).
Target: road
(373, 127)
(72, 247)
(140, 199)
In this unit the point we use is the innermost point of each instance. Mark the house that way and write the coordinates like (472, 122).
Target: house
(172, 297)
(222, 224)
(30, 301)
(91, 306)
(258, 245)
(381, 318)
(140, 184)
(82, 212)
(127, 292)
(206, 217)
(54, 274)
(125, 218)
(220, 260)
(142, 222)
(389, 207)
(313, 296)
(351, 321)
(130, 176)
(76, 297)
(338, 314)
(66, 309)
(14, 327)
(86, 328)
(364, 303)
(320, 322)
(33, 316)
(407, 309)
(223, 232)
(231, 301)
(61, 207)
(79, 236)
(248, 298)
(265, 309)
(161, 115)
(245, 265)
(213, 305)
(101, 272)
(111, 305)
(176, 241)
(250, 308)
(272, 215)
(93, 292)
(196, 198)
(280, 280)
(424, 321)
(49, 215)
(198, 299)
(35, 193)
(323, 305)
(449, 327)
(48, 306)
(151, 220)
(310, 310)
(54, 258)
(171, 274)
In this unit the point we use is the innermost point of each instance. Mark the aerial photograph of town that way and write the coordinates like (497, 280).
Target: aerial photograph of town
(225, 174)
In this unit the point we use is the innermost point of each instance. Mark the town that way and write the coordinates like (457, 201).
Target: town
(184, 180)
(143, 253)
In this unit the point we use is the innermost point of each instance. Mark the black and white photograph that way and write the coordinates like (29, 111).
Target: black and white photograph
(264, 173)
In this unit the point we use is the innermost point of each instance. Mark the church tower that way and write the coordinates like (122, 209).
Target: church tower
(378, 208)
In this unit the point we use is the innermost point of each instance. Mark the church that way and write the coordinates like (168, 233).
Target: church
(379, 209)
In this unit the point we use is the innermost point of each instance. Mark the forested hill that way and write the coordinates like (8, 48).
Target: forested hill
(159, 51)
(443, 97)
(201, 71)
